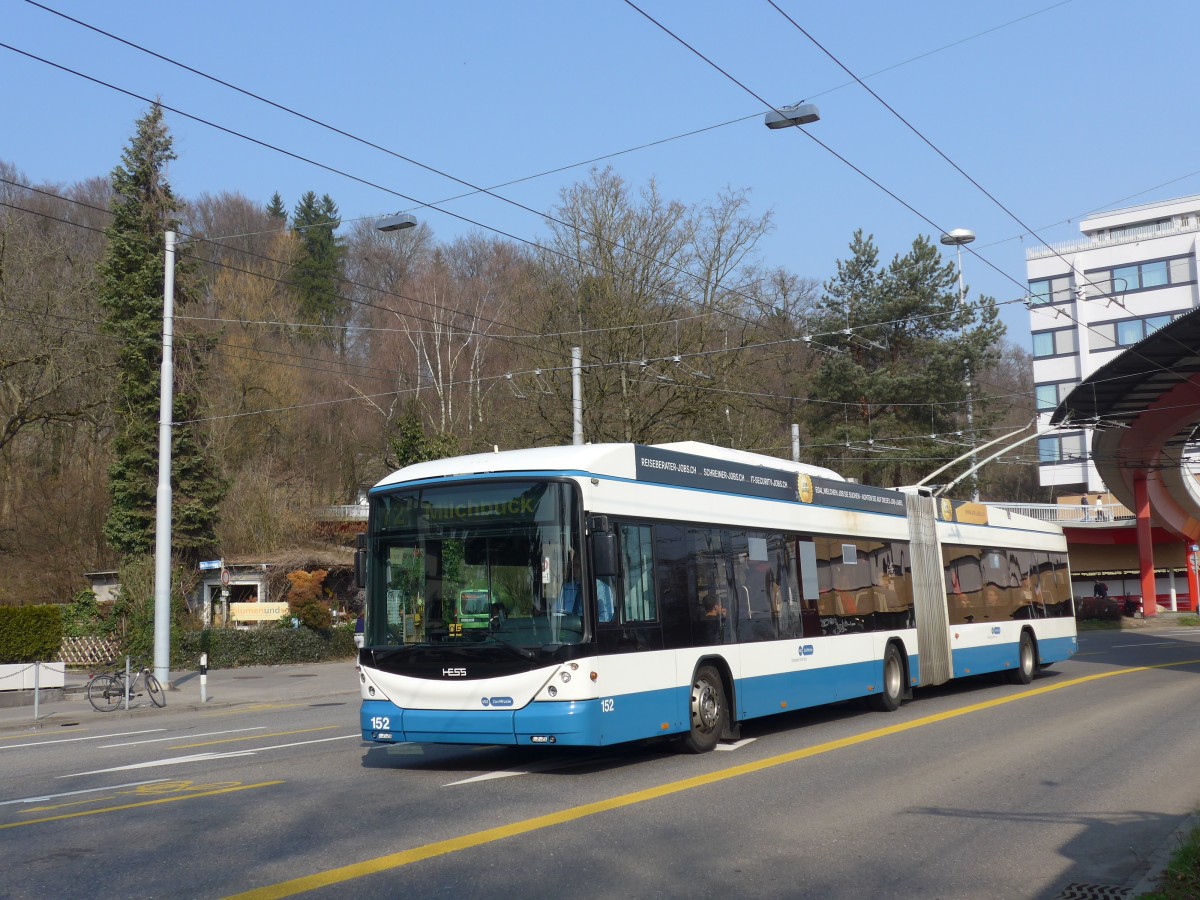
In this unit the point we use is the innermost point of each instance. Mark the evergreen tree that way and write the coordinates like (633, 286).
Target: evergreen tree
(276, 209)
(408, 443)
(131, 294)
(896, 346)
(318, 272)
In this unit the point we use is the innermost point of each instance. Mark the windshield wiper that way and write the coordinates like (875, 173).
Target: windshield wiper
(520, 651)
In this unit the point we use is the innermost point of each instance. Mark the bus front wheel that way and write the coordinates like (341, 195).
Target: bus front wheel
(709, 711)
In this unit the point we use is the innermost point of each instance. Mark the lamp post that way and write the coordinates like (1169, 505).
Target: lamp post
(956, 239)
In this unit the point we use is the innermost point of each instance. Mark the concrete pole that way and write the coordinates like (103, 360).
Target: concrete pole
(1145, 545)
(162, 518)
(795, 442)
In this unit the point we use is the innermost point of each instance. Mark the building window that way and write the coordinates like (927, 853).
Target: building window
(1126, 332)
(1050, 290)
(1059, 342)
(1129, 332)
(1141, 276)
(1050, 395)
(1061, 448)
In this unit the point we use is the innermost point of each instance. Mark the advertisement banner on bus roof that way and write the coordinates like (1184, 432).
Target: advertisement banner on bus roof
(660, 466)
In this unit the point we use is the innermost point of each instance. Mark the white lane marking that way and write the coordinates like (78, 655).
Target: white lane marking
(548, 766)
(204, 757)
(115, 787)
(1149, 644)
(181, 737)
(91, 737)
(736, 745)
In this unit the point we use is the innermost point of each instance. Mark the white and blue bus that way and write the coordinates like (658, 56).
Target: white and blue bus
(679, 590)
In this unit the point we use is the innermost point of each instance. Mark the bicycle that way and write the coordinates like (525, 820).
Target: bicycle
(106, 691)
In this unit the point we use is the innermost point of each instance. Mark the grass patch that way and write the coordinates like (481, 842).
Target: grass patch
(1098, 625)
(1181, 880)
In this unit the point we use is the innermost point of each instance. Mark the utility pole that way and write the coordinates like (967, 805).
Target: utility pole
(162, 519)
(956, 239)
(577, 396)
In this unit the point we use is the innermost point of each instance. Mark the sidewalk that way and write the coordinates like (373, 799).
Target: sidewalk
(224, 688)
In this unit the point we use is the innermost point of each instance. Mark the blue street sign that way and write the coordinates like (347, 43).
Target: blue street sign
(210, 564)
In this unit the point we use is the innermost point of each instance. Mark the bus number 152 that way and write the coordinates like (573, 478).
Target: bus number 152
(608, 704)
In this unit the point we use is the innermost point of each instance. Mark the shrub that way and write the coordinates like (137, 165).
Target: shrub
(305, 599)
(234, 648)
(30, 633)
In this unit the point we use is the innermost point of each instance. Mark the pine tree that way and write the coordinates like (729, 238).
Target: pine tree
(318, 271)
(276, 209)
(896, 344)
(131, 295)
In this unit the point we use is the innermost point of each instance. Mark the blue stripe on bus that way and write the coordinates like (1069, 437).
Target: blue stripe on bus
(614, 720)
(1006, 656)
(1055, 649)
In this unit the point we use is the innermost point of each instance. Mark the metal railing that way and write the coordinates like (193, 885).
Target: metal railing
(1068, 514)
(1130, 236)
(350, 512)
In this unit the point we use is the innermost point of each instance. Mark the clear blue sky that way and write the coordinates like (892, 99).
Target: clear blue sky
(1078, 106)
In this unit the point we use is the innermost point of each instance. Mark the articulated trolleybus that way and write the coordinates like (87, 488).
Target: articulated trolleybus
(591, 595)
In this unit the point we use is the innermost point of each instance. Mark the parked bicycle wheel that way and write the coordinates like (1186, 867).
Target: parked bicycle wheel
(105, 693)
(155, 690)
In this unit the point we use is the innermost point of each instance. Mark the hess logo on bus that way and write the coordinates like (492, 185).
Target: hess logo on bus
(454, 672)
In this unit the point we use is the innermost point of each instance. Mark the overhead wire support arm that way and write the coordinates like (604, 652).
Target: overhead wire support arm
(971, 471)
(974, 450)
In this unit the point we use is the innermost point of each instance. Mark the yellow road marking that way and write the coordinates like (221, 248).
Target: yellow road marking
(25, 735)
(502, 832)
(37, 809)
(108, 809)
(258, 707)
(142, 790)
(251, 737)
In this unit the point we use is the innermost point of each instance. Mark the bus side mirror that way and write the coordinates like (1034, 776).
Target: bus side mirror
(360, 560)
(604, 554)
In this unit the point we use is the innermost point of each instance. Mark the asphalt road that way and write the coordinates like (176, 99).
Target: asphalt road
(977, 790)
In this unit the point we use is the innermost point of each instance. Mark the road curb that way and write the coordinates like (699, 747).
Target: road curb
(1160, 858)
(62, 719)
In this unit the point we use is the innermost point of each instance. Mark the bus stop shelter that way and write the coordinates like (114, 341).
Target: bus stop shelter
(1143, 407)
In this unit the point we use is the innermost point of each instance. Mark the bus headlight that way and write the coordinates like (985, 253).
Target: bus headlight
(565, 676)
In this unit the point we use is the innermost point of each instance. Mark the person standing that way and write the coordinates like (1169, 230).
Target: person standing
(1099, 509)
(1083, 503)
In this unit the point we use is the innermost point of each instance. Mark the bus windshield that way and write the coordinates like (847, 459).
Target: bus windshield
(480, 562)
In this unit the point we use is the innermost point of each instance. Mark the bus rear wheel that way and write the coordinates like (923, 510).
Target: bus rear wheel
(1026, 661)
(892, 690)
(708, 709)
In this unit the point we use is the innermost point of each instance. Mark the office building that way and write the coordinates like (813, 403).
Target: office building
(1133, 271)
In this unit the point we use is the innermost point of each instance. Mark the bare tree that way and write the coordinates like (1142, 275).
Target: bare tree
(655, 293)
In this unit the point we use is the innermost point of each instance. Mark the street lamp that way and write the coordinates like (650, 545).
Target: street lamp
(956, 239)
(796, 114)
(396, 222)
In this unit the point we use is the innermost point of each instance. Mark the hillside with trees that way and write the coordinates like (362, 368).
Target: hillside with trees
(313, 354)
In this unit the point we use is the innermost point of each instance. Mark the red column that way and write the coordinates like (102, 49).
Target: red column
(1141, 500)
(1192, 555)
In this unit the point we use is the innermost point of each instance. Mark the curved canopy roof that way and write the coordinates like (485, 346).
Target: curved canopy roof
(1145, 407)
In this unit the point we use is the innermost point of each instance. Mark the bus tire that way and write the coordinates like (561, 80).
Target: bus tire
(1026, 661)
(891, 691)
(708, 711)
